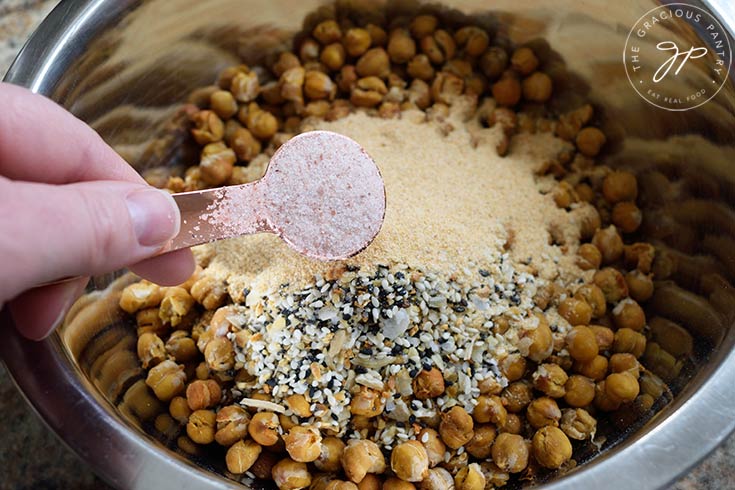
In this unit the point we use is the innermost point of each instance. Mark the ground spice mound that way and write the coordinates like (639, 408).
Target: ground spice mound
(451, 202)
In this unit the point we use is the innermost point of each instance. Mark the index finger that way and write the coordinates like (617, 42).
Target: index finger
(42, 142)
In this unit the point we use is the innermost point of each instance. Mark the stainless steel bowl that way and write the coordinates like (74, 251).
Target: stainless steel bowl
(124, 65)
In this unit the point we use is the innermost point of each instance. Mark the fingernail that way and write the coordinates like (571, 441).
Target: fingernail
(154, 215)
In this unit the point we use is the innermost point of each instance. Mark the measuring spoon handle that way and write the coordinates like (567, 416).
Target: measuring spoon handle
(215, 214)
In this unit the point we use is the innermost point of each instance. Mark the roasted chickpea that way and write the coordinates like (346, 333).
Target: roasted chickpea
(288, 474)
(550, 379)
(179, 409)
(481, 443)
(456, 427)
(610, 244)
(410, 461)
(423, 25)
(208, 127)
(263, 428)
(537, 87)
(241, 456)
(439, 46)
(620, 186)
(629, 314)
(516, 396)
(628, 340)
(151, 350)
(367, 402)
(232, 425)
(245, 86)
(595, 369)
(582, 344)
(333, 56)
(394, 483)
(401, 47)
(327, 32)
(580, 391)
(603, 401)
(551, 447)
(594, 297)
(543, 411)
(298, 405)
(640, 285)
(470, 478)
(223, 104)
(286, 61)
(303, 443)
(510, 453)
(361, 457)
(524, 61)
(434, 446)
(612, 283)
(513, 425)
(329, 459)
(622, 387)
(263, 466)
(166, 380)
(576, 311)
(203, 394)
(428, 384)
(181, 347)
(473, 40)
(374, 63)
(148, 321)
(494, 62)
(513, 366)
(627, 217)
(244, 144)
(590, 141)
(219, 354)
(225, 77)
(625, 362)
(542, 344)
(507, 91)
(604, 336)
(490, 409)
(215, 168)
(589, 257)
(578, 424)
(208, 292)
(318, 85)
(139, 296)
(201, 426)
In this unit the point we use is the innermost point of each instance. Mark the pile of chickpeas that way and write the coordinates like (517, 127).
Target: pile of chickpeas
(559, 385)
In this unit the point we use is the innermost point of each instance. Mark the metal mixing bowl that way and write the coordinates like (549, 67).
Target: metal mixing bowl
(125, 65)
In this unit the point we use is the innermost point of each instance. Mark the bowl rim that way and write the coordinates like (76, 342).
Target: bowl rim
(678, 438)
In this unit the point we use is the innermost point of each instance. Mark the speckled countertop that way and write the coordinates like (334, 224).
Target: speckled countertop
(30, 455)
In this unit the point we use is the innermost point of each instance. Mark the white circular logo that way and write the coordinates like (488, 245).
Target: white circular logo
(677, 56)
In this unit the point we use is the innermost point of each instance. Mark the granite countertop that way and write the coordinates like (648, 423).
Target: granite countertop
(30, 455)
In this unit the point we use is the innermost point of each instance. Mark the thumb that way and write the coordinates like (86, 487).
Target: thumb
(80, 229)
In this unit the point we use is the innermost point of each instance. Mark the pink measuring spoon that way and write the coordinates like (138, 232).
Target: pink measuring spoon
(322, 194)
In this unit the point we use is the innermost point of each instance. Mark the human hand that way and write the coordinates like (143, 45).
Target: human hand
(71, 206)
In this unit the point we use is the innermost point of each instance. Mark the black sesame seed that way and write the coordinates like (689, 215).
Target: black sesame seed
(427, 364)
(396, 395)
(396, 349)
(399, 275)
(367, 351)
(334, 417)
(245, 292)
(312, 391)
(459, 309)
(413, 373)
(402, 425)
(271, 382)
(411, 419)
(483, 273)
(360, 370)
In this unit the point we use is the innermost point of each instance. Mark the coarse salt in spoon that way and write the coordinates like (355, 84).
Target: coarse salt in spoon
(322, 194)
